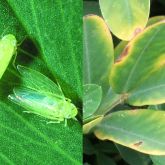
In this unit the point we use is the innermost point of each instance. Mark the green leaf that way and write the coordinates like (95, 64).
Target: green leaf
(155, 19)
(141, 130)
(91, 7)
(21, 126)
(92, 99)
(98, 57)
(55, 27)
(89, 126)
(120, 47)
(106, 147)
(103, 159)
(98, 52)
(110, 100)
(125, 18)
(133, 157)
(141, 68)
(157, 107)
(158, 160)
(26, 137)
(36, 141)
(9, 23)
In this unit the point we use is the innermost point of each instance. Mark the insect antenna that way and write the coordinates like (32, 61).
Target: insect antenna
(59, 86)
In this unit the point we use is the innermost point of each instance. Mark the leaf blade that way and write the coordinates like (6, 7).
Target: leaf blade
(40, 138)
(141, 53)
(91, 100)
(132, 15)
(147, 136)
(98, 47)
(62, 51)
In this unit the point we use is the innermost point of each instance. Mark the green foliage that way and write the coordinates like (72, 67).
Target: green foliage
(90, 105)
(53, 30)
(136, 78)
(98, 53)
(139, 132)
(50, 36)
(43, 97)
(27, 138)
(133, 157)
(133, 16)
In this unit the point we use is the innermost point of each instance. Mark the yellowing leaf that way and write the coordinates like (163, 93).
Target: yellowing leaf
(125, 18)
(139, 72)
(141, 130)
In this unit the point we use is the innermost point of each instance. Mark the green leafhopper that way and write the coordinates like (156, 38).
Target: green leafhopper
(8, 45)
(43, 97)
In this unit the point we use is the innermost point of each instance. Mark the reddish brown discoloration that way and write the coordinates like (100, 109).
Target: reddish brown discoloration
(137, 31)
(133, 112)
(163, 20)
(123, 54)
(138, 144)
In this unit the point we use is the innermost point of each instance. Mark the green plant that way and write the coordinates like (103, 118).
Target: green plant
(124, 85)
(49, 41)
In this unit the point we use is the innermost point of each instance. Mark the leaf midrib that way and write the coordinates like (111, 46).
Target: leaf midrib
(133, 134)
(148, 89)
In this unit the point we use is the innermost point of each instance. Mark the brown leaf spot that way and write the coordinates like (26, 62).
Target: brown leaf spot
(163, 20)
(133, 112)
(138, 144)
(137, 31)
(123, 54)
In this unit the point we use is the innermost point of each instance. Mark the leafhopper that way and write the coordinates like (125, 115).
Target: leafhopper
(43, 97)
(8, 45)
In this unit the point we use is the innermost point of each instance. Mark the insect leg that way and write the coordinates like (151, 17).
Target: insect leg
(56, 120)
(27, 111)
(65, 122)
(59, 86)
(24, 38)
(74, 119)
(51, 122)
(14, 60)
(15, 55)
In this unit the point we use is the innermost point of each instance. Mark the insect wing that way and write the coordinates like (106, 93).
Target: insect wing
(37, 103)
(35, 80)
(7, 49)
